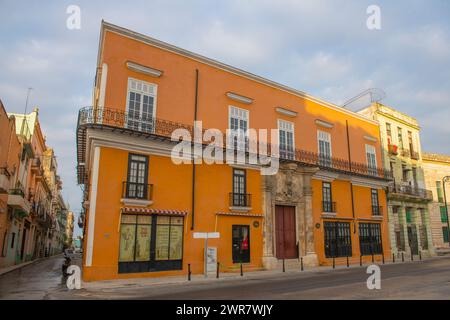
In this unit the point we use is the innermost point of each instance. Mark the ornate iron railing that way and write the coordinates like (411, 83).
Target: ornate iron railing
(411, 190)
(116, 118)
(240, 199)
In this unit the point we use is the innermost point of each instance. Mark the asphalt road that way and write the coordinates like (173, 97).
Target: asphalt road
(429, 279)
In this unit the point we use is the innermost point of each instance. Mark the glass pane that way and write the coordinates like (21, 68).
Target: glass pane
(162, 242)
(143, 243)
(163, 220)
(176, 242)
(127, 218)
(144, 219)
(176, 220)
(127, 241)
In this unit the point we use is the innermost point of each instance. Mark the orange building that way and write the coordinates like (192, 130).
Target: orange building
(144, 210)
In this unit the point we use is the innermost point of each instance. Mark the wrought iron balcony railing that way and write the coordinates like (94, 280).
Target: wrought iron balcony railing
(240, 199)
(411, 190)
(393, 149)
(115, 118)
(133, 190)
(17, 192)
(4, 171)
(415, 155)
(328, 206)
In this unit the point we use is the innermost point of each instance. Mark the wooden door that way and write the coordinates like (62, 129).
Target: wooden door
(286, 240)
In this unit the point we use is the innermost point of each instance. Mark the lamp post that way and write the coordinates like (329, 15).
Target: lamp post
(444, 180)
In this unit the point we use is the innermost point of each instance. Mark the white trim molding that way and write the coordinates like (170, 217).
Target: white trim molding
(136, 202)
(239, 98)
(371, 138)
(144, 69)
(324, 124)
(286, 112)
(92, 205)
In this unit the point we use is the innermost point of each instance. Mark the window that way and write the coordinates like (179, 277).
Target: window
(443, 214)
(238, 124)
(445, 234)
(371, 160)
(150, 243)
(324, 140)
(388, 131)
(136, 184)
(141, 104)
(13, 237)
(169, 238)
(239, 196)
(327, 202)
(410, 142)
(439, 191)
(400, 137)
(337, 239)
(286, 133)
(370, 238)
(376, 209)
(241, 244)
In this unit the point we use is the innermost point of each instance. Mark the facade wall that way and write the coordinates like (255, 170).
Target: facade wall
(437, 167)
(295, 189)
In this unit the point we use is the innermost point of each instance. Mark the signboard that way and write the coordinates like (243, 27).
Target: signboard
(211, 260)
(210, 253)
(206, 235)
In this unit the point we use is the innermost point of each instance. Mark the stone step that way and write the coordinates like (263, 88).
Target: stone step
(443, 251)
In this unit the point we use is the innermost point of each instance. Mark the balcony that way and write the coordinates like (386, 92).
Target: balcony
(411, 191)
(16, 200)
(4, 180)
(328, 207)
(137, 194)
(120, 121)
(240, 201)
(393, 149)
(415, 155)
(405, 153)
(377, 211)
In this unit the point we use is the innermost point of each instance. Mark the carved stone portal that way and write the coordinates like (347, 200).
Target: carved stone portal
(291, 186)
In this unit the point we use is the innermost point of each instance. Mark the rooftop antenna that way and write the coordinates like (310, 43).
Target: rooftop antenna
(28, 96)
(374, 95)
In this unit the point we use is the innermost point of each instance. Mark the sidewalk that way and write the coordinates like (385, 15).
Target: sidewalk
(9, 269)
(200, 278)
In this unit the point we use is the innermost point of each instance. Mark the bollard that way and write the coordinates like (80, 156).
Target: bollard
(334, 263)
(242, 270)
(217, 270)
(393, 258)
(284, 268)
(301, 263)
(412, 256)
(189, 272)
(420, 255)
(403, 257)
(373, 258)
(360, 261)
(348, 264)
(382, 257)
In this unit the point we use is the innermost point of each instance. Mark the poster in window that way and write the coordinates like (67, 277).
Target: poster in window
(127, 242)
(143, 243)
(176, 242)
(162, 242)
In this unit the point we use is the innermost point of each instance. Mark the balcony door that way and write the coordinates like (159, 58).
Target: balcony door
(286, 236)
(141, 105)
(239, 188)
(136, 184)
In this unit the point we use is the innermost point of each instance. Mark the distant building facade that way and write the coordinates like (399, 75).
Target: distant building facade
(408, 198)
(436, 167)
(29, 200)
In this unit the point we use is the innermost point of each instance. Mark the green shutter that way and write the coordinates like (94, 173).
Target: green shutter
(445, 233)
(408, 216)
(439, 191)
(443, 214)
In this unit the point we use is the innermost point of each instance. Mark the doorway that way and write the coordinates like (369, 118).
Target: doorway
(412, 238)
(286, 236)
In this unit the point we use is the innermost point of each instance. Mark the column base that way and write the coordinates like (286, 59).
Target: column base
(311, 260)
(270, 263)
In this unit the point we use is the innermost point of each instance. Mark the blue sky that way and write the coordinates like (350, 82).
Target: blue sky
(321, 47)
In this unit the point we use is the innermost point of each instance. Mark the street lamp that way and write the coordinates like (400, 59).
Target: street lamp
(444, 180)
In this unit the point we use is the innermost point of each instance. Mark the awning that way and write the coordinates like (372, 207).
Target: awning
(240, 214)
(154, 211)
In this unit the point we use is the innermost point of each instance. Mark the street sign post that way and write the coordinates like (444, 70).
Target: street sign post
(206, 236)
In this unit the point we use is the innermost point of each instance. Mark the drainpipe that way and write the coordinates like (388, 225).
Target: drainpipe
(351, 184)
(193, 145)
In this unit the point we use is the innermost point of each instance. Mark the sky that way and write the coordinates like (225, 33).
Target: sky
(321, 47)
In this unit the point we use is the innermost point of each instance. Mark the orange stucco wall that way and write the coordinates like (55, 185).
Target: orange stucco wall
(172, 190)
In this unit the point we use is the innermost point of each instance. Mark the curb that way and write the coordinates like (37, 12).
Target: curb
(24, 264)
